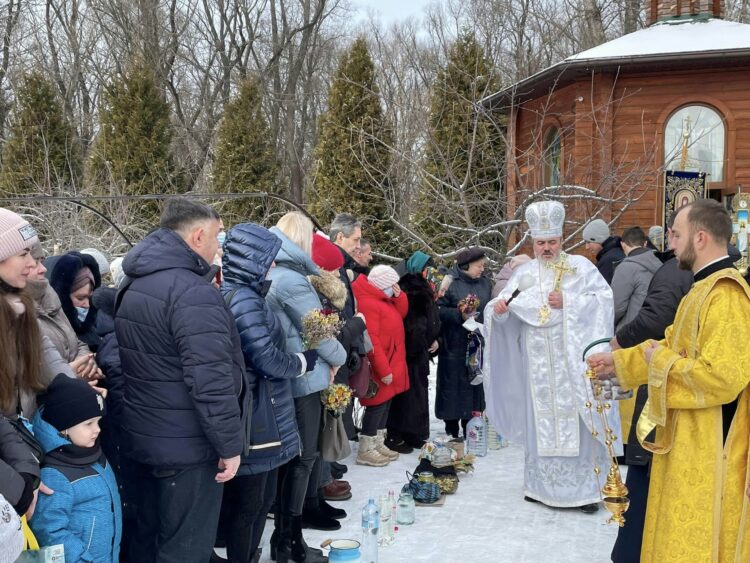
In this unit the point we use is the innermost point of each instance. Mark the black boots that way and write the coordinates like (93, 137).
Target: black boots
(291, 545)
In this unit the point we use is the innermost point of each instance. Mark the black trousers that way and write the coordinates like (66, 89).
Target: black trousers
(177, 512)
(630, 537)
(300, 470)
(375, 418)
(246, 502)
(451, 427)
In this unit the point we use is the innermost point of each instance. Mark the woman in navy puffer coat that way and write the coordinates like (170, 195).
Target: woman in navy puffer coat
(249, 252)
(291, 297)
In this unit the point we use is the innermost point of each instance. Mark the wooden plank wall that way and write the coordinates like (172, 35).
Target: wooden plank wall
(613, 133)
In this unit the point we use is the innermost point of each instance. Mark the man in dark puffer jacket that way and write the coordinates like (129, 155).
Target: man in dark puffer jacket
(185, 398)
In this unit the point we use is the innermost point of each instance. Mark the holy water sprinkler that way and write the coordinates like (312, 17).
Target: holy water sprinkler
(526, 281)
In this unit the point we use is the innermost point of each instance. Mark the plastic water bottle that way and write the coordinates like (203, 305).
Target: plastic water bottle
(476, 435)
(370, 527)
(386, 530)
(394, 515)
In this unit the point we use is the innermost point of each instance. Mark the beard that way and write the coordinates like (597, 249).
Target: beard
(686, 260)
(547, 256)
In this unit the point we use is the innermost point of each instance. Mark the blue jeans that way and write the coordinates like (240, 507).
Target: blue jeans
(177, 512)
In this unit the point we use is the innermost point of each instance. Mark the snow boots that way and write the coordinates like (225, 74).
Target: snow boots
(382, 449)
(368, 454)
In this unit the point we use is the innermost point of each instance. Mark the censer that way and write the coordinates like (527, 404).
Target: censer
(614, 492)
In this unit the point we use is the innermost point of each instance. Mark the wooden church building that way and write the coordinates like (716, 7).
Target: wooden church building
(647, 120)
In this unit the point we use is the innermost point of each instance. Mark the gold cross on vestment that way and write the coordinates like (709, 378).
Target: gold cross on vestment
(561, 268)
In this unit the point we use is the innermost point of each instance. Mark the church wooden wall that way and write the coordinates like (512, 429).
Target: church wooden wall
(613, 134)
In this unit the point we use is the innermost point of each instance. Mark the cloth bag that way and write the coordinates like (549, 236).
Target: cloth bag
(334, 443)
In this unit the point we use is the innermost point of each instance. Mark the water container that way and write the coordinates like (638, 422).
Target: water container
(494, 440)
(386, 531)
(476, 435)
(370, 527)
(345, 551)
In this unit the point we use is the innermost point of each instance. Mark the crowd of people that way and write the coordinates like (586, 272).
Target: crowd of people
(161, 405)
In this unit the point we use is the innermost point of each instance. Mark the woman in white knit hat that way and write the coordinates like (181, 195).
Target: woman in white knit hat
(384, 305)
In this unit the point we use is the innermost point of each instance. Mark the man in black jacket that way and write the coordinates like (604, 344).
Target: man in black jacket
(606, 248)
(185, 398)
(667, 288)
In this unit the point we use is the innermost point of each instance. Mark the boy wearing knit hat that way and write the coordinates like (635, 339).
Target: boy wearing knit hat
(84, 513)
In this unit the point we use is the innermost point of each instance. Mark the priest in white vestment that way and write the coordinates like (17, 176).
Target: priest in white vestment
(534, 381)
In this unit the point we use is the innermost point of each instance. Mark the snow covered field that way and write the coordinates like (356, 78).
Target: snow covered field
(487, 520)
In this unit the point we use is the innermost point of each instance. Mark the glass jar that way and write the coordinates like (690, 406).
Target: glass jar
(406, 509)
(426, 477)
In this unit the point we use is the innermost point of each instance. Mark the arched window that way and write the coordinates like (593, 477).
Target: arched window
(552, 156)
(694, 139)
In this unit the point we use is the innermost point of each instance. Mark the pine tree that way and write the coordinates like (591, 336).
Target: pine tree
(464, 156)
(351, 156)
(131, 154)
(42, 154)
(245, 158)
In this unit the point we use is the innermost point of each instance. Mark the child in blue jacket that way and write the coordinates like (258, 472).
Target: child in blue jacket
(84, 512)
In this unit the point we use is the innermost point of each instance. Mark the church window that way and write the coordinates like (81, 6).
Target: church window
(552, 156)
(694, 140)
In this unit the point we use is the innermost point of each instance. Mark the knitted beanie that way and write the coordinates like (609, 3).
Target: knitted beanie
(101, 259)
(383, 277)
(596, 231)
(70, 401)
(15, 234)
(325, 254)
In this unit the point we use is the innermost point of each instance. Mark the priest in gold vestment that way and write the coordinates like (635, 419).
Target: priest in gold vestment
(698, 509)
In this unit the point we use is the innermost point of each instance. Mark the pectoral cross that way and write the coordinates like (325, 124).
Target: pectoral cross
(561, 268)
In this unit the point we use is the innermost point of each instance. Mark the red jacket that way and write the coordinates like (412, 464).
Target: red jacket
(385, 324)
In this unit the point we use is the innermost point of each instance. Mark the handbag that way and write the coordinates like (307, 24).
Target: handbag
(334, 443)
(424, 492)
(361, 382)
(24, 431)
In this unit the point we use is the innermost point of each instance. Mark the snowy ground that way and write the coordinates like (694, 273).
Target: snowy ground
(487, 519)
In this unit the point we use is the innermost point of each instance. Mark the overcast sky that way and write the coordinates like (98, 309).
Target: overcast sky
(391, 10)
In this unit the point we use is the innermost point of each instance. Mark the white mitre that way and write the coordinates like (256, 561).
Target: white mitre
(545, 219)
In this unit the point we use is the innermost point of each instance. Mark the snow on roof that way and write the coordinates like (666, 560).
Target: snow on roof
(673, 37)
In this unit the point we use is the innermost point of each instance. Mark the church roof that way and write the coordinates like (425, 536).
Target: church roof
(673, 37)
(667, 45)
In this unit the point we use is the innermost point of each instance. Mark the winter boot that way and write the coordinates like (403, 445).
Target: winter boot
(368, 455)
(292, 547)
(315, 518)
(382, 449)
(398, 445)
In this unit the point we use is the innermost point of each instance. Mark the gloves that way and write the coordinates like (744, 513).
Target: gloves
(311, 356)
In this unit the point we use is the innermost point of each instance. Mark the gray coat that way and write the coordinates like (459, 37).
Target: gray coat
(630, 283)
(291, 297)
(15, 459)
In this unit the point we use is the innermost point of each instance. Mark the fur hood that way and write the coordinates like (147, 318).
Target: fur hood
(330, 286)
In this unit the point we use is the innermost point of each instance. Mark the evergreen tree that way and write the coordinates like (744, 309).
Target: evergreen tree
(131, 154)
(42, 155)
(351, 156)
(245, 159)
(464, 155)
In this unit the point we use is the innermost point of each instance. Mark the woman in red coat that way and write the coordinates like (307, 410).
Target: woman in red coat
(380, 300)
